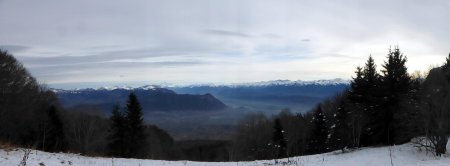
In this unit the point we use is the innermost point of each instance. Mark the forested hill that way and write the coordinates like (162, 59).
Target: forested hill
(152, 99)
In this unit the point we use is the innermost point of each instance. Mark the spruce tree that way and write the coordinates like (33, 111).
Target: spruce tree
(395, 83)
(362, 110)
(117, 133)
(356, 105)
(371, 76)
(395, 75)
(136, 137)
(319, 132)
(53, 138)
(371, 101)
(357, 86)
(370, 88)
(278, 140)
(340, 136)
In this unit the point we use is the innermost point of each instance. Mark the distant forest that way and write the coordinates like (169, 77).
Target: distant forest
(379, 108)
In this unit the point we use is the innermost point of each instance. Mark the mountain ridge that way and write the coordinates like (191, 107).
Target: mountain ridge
(152, 99)
(285, 82)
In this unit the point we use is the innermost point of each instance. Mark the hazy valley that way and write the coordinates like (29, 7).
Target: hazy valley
(177, 109)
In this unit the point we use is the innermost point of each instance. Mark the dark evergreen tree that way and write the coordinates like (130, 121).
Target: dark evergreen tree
(370, 74)
(278, 140)
(319, 132)
(364, 108)
(136, 138)
(371, 101)
(340, 137)
(446, 67)
(356, 106)
(53, 138)
(357, 87)
(395, 75)
(410, 114)
(395, 83)
(117, 133)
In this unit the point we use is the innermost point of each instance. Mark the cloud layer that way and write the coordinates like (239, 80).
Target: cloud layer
(202, 41)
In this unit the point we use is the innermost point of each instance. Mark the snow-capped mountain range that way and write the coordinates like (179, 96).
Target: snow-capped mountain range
(273, 95)
(336, 81)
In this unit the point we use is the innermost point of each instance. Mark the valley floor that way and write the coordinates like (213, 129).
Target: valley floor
(402, 155)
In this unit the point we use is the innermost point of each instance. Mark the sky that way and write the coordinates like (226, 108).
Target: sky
(79, 43)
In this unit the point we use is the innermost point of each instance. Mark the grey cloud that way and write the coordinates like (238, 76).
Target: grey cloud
(53, 72)
(69, 37)
(106, 65)
(271, 36)
(14, 48)
(306, 40)
(108, 56)
(103, 47)
(227, 33)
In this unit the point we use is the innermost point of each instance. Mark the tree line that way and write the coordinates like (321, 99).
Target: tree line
(378, 109)
(32, 117)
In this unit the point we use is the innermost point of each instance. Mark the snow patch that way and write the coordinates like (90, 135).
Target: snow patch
(402, 155)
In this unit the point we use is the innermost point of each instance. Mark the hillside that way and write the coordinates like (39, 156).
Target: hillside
(152, 99)
(402, 155)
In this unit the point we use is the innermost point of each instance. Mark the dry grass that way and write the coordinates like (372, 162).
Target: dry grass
(7, 146)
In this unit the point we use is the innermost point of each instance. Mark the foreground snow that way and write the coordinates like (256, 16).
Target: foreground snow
(401, 155)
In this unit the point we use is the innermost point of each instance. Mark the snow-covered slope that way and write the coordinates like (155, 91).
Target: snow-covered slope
(403, 155)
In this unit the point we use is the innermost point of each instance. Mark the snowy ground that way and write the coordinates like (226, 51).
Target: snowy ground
(401, 155)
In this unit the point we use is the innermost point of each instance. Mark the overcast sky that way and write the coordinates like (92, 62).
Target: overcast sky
(107, 42)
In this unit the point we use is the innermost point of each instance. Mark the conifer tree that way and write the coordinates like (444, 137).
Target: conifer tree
(53, 139)
(278, 140)
(319, 132)
(136, 138)
(370, 88)
(360, 105)
(371, 76)
(340, 134)
(117, 133)
(356, 105)
(371, 101)
(395, 83)
(357, 86)
(395, 75)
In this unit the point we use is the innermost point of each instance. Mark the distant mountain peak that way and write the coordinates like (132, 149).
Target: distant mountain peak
(149, 87)
(280, 82)
(335, 81)
(110, 88)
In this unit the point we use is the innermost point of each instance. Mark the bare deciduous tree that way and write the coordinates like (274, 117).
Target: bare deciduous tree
(436, 111)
